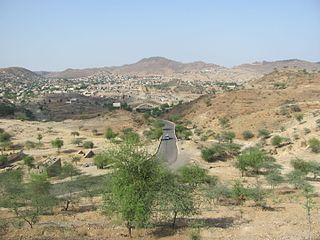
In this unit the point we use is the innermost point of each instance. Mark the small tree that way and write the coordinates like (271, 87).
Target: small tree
(94, 132)
(88, 144)
(227, 136)
(3, 160)
(39, 137)
(219, 152)
(175, 198)
(75, 159)
(224, 122)
(28, 161)
(5, 140)
(32, 200)
(264, 133)
(308, 193)
(314, 144)
(247, 135)
(68, 170)
(57, 143)
(274, 178)
(297, 179)
(102, 159)
(253, 159)
(76, 141)
(74, 134)
(258, 195)
(130, 137)
(239, 192)
(276, 140)
(194, 175)
(131, 190)
(299, 117)
(110, 134)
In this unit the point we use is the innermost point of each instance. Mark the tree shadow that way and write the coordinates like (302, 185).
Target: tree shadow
(70, 151)
(166, 230)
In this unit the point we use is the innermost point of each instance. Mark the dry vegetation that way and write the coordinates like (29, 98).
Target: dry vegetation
(271, 102)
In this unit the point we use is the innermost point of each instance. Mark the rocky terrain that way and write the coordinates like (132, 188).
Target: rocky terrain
(285, 101)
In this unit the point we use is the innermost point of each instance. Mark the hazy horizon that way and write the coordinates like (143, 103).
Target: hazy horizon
(56, 35)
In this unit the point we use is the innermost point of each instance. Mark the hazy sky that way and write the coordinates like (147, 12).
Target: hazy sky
(57, 34)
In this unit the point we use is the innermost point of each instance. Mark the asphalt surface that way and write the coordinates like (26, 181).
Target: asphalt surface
(167, 150)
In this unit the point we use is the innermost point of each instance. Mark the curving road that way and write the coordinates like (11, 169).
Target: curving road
(168, 150)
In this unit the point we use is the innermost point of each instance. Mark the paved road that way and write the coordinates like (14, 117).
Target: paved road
(168, 147)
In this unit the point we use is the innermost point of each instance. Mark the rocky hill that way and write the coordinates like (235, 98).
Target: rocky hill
(160, 65)
(74, 73)
(18, 73)
(264, 103)
(265, 67)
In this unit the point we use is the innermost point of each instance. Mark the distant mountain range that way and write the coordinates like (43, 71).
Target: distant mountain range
(167, 67)
(265, 67)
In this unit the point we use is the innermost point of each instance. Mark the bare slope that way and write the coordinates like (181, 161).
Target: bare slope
(17, 73)
(265, 67)
(258, 106)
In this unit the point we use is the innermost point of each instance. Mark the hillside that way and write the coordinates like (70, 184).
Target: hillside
(73, 73)
(167, 68)
(18, 73)
(160, 65)
(265, 67)
(257, 106)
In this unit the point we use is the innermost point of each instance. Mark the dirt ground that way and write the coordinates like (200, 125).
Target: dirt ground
(285, 219)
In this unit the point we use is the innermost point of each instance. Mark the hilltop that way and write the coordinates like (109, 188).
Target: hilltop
(18, 73)
(266, 67)
(165, 67)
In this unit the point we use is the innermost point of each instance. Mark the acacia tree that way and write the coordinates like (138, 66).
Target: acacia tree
(253, 160)
(27, 201)
(176, 199)
(57, 143)
(308, 193)
(131, 191)
(176, 194)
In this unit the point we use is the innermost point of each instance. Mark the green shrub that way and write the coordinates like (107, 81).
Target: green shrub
(238, 192)
(247, 134)
(30, 145)
(307, 131)
(57, 143)
(258, 195)
(224, 122)
(274, 178)
(101, 160)
(299, 117)
(254, 160)
(276, 140)
(280, 85)
(76, 141)
(227, 136)
(28, 160)
(3, 160)
(183, 132)
(314, 144)
(68, 170)
(264, 133)
(88, 144)
(297, 179)
(219, 152)
(110, 134)
(129, 136)
(306, 167)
